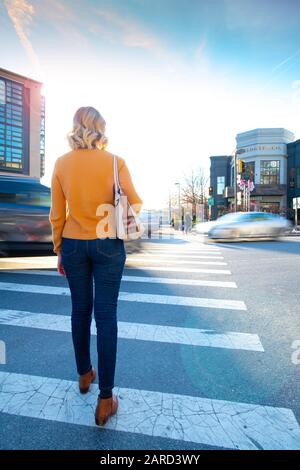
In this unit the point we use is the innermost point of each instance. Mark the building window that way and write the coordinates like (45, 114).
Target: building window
(298, 176)
(220, 185)
(269, 172)
(273, 207)
(248, 171)
(2, 92)
(11, 125)
(42, 137)
(292, 177)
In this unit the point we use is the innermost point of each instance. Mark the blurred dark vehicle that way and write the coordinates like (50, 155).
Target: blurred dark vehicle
(24, 215)
(249, 225)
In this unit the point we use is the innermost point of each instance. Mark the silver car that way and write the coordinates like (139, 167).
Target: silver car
(249, 225)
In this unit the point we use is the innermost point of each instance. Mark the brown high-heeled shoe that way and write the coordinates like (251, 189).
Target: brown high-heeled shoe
(85, 380)
(106, 407)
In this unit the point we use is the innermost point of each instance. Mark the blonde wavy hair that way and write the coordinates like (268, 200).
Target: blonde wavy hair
(88, 130)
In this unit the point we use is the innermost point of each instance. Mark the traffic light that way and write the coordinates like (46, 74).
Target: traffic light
(241, 166)
(210, 191)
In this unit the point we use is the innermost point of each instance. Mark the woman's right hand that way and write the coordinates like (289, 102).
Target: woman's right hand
(60, 267)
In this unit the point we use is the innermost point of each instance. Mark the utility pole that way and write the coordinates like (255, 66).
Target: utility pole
(170, 208)
(236, 153)
(179, 207)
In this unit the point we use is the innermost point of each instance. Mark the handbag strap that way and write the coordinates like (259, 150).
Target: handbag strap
(116, 173)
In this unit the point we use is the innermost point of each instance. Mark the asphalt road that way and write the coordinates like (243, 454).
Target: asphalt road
(208, 352)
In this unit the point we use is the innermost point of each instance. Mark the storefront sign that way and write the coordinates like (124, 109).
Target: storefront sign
(296, 202)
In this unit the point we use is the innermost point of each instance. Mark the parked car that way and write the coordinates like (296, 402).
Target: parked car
(249, 225)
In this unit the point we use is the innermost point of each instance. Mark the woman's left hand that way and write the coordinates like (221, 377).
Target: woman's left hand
(60, 267)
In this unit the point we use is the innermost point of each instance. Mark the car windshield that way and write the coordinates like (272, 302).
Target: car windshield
(231, 217)
(243, 216)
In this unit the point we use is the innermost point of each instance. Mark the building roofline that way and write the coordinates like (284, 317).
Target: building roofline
(220, 156)
(264, 130)
(295, 142)
(9, 72)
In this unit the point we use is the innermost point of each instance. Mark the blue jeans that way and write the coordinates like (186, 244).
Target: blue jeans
(101, 259)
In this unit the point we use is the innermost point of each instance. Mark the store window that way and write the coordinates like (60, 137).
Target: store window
(269, 172)
(220, 185)
(273, 207)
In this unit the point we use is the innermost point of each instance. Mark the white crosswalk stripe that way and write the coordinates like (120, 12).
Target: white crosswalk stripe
(139, 331)
(142, 279)
(180, 256)
(133, 297)
(184, 251)
(214, 422)
(176, 269)
(168, 261)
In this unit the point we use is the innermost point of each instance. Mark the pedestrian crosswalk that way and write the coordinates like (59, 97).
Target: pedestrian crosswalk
(201, 420)
(149, 279)
(133, 297)
(138, 331)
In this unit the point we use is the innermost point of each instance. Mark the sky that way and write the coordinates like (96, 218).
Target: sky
(175, 80)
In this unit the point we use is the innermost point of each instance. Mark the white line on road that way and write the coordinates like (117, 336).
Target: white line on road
(218, 423)
(179, 270)
(168, 261)
(142, 279)
(174, 255)
(174, 249)
(139, 331)
(147, 268)
(133, 297)
(184, 301)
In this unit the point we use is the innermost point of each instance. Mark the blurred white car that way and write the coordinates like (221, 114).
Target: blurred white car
(205, 227)
(249, 225)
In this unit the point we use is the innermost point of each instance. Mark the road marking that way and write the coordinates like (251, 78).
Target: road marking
(153, 260)
(134, 297)
(44, 272)
(28, 260)
(180, 250)
(184, 301)
(139, 331)
(185, 282)
(144, 268)
(180, 270)
(218, 423)
(149, 279)
(161, 256)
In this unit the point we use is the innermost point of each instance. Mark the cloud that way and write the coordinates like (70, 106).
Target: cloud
(132, 33)
(21, 13)
(66, 18)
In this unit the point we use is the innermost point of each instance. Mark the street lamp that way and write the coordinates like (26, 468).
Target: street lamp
(237, 152)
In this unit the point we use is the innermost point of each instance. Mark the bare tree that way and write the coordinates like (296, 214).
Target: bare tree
(194, 187)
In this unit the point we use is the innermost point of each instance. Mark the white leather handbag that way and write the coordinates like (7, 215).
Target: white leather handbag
(128, 225)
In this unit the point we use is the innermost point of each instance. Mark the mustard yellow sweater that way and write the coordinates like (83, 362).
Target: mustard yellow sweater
(81, 181)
